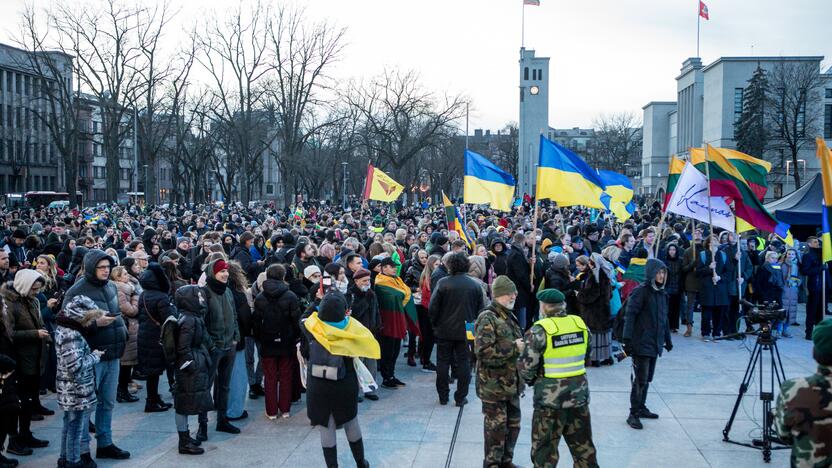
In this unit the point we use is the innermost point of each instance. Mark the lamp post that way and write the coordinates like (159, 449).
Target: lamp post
(145, 183)
(344, 186)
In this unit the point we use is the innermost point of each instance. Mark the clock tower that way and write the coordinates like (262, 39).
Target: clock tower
(534, 117)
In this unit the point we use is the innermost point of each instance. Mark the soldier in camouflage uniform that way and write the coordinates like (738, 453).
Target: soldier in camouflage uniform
(561, 405)
(497, 343)
(804, 408)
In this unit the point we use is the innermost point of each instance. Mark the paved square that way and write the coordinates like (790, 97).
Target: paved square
(693, 392)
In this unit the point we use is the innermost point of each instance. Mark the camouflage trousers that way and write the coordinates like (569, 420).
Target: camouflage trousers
(501, 426)
(549, 424)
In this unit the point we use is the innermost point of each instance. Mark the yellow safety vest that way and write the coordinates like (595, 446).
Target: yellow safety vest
(566, 341)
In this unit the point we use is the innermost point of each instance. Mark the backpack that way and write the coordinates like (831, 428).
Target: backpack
(167, 338)
(618, 321)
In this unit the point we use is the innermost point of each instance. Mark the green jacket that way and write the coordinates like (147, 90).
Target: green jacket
(495, 331)
(221, 319)
(803, 418)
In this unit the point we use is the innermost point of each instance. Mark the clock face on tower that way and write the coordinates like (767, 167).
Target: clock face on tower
(534, 90)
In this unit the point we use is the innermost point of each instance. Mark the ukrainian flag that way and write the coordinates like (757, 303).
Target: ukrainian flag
(485, 183)
(618, 194)
(564, 178)
(825, 156)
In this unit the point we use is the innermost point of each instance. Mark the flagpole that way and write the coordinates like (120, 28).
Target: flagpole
(698, 19)
(523, 27)
(534, 242)
(466, 125)
(710, 220)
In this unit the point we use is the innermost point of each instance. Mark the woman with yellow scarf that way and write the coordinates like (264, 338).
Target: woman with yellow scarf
(333, 343)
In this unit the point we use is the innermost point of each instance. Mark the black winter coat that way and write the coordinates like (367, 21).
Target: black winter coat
(192, 393)
(711, 294)
(8, 387)
(154, 309)
(325, 398)
(113, 338)
(275, 319)
(243, 313)
(457, 299)
(518, 271)
(645, 321)
(243, 256)
(594, 302)
(364, 307)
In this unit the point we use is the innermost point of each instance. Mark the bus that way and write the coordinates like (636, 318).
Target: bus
(44, 198)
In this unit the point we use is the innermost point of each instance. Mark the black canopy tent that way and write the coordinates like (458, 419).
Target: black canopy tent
(801, 207)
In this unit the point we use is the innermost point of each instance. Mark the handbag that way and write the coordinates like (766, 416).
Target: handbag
(365, 378)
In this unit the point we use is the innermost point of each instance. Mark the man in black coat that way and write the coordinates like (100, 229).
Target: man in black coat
(812, 267)
(275, 322)
(456, 301)
(242, 255)
(363, 306)
(519, 272)
(645, 333)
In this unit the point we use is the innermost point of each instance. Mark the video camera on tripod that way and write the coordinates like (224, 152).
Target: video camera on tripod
(767, 312)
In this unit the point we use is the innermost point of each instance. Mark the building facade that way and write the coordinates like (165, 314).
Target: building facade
(709, 103)
(28, 159)
(534, 116)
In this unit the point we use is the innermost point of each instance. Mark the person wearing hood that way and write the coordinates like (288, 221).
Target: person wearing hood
(30, 341)
(594, 306)
(518, 270)
(192, 393)
(154, 309)
(76, 378)
(65, 255)
(646, 332)
(221, 323)
(812, 267)
(275, 323)
(791, 285)
(332, 340)
(76, 264)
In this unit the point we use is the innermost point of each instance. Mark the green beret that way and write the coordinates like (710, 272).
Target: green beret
(550, 296)
(822, 337)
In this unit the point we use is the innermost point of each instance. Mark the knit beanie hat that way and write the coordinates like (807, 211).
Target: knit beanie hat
(821, 337)
(219, 265)
(333, 307)
(311, 270)
(361, 273)
(503, 286)
(560, 262)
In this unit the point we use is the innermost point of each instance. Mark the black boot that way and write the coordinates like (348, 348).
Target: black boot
(16, 447)
(8, 462)
(162, 403)
(202, 432)
(331, 456)
(124, 396)
(357, 449)
(153, 406)
(224, 426)
(186, 447)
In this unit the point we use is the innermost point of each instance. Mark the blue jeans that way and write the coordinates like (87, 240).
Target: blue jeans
(106, 382)
(72, 434)
(520, 313)
(238, 389)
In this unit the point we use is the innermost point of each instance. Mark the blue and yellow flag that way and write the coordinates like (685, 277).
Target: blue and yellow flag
(564, 178)
(825, 157)
(485, 183)
(618, 194)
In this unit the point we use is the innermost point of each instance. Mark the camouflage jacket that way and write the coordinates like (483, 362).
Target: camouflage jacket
(495, 331)
(804, 418)
(570, 392)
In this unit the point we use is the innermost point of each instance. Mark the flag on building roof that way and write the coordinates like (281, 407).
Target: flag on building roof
(703, 10)
(618, 194)
(825, 156)
(455, 222)
(674, 171)
(727, 181)
(753, 170)
(380, 186)
(485, 183)
(565, 178)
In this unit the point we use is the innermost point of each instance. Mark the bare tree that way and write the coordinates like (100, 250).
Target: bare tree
(235, 52)
(104, 43)
(56, 111)
(794, 115)
(303, 53)
(617, 142)
(400, 118)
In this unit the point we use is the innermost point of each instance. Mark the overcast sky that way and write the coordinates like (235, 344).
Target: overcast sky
(606, 55)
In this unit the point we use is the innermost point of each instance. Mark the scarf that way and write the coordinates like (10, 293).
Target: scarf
(354, 340)
(214, 285)
(394, 282)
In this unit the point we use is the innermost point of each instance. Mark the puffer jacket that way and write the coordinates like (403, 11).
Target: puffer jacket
(112, 339)
(495, 332)
(154, 309)
(75, 380)
(24, 313)
(192, 393)
(275, 319)
(645, 323)
(128, 303)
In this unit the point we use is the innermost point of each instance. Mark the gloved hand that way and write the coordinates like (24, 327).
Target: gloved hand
(668, 346)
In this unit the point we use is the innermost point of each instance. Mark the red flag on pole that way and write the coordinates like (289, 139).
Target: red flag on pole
(703, 10)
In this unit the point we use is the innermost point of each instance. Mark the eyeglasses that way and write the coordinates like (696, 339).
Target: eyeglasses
(103, 267)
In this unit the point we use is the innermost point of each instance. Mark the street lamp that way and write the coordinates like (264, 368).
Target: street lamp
(344, 186)
(145, 183)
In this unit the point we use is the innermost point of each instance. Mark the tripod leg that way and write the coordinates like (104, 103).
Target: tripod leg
(779, 369)
(746, 380)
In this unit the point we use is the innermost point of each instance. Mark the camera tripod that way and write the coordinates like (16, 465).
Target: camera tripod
(765, 344)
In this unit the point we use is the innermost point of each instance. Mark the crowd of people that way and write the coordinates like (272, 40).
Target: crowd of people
(233, 303)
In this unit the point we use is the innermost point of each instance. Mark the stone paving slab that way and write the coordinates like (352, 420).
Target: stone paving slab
(693, 392)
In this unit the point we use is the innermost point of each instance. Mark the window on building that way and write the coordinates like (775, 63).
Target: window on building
(540, 74)
(526, 73)
(522, 94)
(801, 115)
(269, 189)
(828, 93)
(9, 116)
(534, 74)
(738, 98)
(827, 122)
(9, 81)
(27, 82)
(18, 82)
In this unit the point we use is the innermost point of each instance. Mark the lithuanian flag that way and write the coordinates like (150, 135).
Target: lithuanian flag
(825, 156)
(752, 169)
(673, 174)
(455, 222)
(727, 181)
(635, 272)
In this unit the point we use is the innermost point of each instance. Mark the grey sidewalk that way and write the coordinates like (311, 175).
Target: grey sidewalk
(694, 390)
